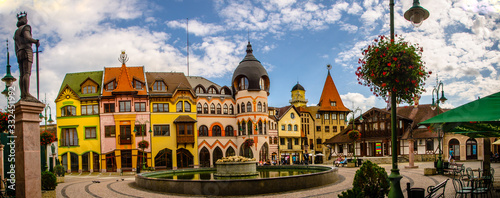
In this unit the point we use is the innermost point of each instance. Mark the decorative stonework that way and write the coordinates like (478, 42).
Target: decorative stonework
(236, 166)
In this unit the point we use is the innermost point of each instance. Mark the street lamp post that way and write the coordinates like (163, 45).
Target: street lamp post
(44, 117)
(8, 78)
(353, 127)
(435, 105)
(143, 132)
(416, 14)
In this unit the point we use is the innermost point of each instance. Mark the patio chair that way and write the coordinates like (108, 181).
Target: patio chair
(459, 188)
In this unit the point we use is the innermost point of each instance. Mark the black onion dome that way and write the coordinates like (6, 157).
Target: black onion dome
(252, 69)
(298, 87)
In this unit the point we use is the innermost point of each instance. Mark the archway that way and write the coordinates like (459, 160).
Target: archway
(230, 152)
(455, 145)
(471, 149)
(204, 157)
(246, 150)
(163, 159)
(85, 162)
(264, 152)
(217, 154)
(184, 158)
(74, 162)
(110, 162)
(96, 161)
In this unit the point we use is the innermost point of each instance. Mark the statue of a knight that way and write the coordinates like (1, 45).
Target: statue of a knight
(24, 54)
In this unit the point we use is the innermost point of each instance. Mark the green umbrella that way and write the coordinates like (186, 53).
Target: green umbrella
(477, 119)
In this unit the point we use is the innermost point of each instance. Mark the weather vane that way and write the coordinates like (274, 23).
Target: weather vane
(123, 57)
(329, 67)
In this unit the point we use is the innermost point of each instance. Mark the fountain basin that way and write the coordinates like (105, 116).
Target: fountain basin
(234, 187)
(236, 169)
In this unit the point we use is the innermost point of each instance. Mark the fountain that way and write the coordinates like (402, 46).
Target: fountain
(237, 176)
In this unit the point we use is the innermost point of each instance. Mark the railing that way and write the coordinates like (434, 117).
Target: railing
(189, 139)
(125, 139)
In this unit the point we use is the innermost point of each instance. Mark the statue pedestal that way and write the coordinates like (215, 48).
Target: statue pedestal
(28, 173)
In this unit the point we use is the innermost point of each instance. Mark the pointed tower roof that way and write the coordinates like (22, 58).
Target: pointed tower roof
(123, 83)
(330, 99)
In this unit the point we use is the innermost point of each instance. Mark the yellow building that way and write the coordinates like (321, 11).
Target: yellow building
(78, 128)
(289, 132)
(173, 119)
(307, 129)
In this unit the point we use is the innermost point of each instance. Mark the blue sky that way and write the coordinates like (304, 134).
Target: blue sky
(293, 39)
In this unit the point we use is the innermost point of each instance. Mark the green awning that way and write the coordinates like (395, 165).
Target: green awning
(478, 119)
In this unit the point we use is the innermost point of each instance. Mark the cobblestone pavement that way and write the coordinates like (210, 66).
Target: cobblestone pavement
(112, 185)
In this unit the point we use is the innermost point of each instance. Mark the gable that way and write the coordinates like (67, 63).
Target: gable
(67, 93)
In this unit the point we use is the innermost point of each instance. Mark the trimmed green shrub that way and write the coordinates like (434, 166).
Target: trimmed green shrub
(59, 170)
(371, 180)
(49, 181)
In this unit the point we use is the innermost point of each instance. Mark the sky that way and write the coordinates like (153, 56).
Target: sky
(293, 39)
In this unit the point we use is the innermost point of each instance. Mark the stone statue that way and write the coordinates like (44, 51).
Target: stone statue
(24, 53)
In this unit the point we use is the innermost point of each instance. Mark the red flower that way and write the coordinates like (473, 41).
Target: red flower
(395, 59)
(384, 84)
(384, 73)
(376, 50)
(389, 64)
(430, 72)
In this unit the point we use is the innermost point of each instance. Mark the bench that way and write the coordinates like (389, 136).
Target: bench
(433, 191)
(453, 168)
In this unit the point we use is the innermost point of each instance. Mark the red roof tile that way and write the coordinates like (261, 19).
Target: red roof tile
(330, 94)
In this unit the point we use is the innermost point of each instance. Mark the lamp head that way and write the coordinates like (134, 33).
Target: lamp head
(41, 116)
(416, 14)
(50, 119)
(6, 91)
(442, 99)
(433, 105)
(361, 118)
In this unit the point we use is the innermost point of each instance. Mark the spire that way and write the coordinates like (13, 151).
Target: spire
(123, 83)
(249, 48)
(330, 99)
(249, 56)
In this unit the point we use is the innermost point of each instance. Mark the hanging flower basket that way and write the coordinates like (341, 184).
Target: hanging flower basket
(393, 68)
(354, 135)
(143, 144)
(249, 142)
(4, 124)
(46, 138)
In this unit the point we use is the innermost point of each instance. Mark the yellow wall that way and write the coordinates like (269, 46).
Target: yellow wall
(79, 122)
(161, 142)
(298, 98)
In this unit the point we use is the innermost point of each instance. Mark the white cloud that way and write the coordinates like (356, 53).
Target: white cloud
(196, 27)
(349, 27)
(354, 100)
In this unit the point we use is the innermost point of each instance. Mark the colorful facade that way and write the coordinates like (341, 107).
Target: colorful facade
(289, 132)
(78, 128)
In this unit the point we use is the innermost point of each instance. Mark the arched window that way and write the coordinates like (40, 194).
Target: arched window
(249, 107)
(187, 106)
(243, 83)
(242, 107)
(262, 84)
(179, 106)
(212, 108)
(223, 91)
(260, 127)
(205, 108)
(265, 128)
(218, 109)
(238, 107)
(212, 90)
(198, 108)
(295, 127)
(225, 109)
(250, 129)
(259, 107)
(229, 131)
(265, 108)
(199, 90)
(216, 130)
(203, 130)
(289, 127)
(239, 129)
(243, 128)
(230, 152)
(68, 111)
(231, 110)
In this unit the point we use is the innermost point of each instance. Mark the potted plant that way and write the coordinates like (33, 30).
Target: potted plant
(353, 135)
(143, 144)
(249, 142)
(4, 124)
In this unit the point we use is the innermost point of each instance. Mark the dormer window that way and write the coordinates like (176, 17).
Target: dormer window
(262, 84)
(137, 85)
(159, 86)
(110, 86)
(89, 89)
(212, 90)
(199, 90)
(333, 104)
(243, 83)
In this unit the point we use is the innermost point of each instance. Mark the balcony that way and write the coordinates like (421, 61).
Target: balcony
(185, 139)
(125, 139)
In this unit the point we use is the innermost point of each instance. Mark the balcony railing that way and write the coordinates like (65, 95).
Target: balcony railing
(125, 139)
(185, 139)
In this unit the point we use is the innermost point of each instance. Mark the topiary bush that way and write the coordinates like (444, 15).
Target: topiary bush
(49, 180)
(59, 170)
(371, 180)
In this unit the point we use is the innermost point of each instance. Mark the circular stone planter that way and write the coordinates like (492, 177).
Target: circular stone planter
(235, 187)
(236, 169)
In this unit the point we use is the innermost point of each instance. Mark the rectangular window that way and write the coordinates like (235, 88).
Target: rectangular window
(342, 128)
(140, 106)
(282, 141)
(109, 131)
(334, 128)
(109, 107)
(327, 128)
(160, 107)
(69, 137)
(185, 129)
(334, 116)
(341, 116)
(141, 130)
(318, 141)
(429, 145)
(161, 130)
(90, 132)
(296, 141)
(124, 106)
(90, 109)
(327, 116)
(318, 128)
(318, 116)
(282, 127)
